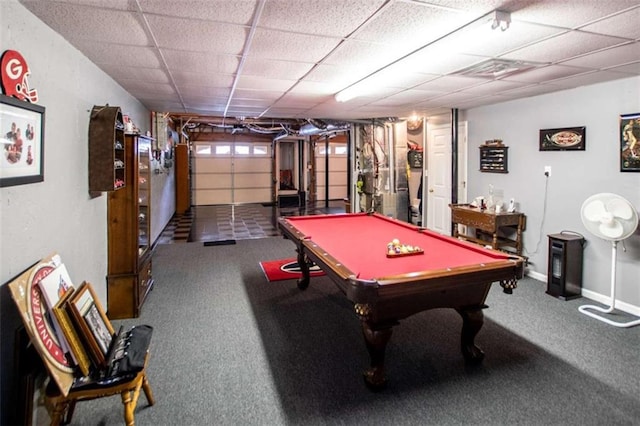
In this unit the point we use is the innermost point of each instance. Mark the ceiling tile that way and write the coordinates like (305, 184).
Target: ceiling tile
(202, 62)
(140, 87)
(621, 25)
(120, 73)
(450, 83)
(231, 11)
(267, 68)
(313, 89)
(272, 44)
(607, 58)
(563, 47)
(492, 87)
(268, 93)
(434, 60)
(411, 25)
(337, 19)
(531, 90)
(632, 68)
(569, 13)
(204, 91)
(131, 56)
(300, 100)
(198, 36)
(184, 78)
(259, 83)
(205, 108)
(550, 72)
(82, 22)
(588, 78)
(482, 40)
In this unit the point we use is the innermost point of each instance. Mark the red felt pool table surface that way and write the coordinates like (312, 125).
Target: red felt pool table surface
(359, 241)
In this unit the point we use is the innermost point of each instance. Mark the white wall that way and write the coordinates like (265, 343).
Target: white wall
(58, 214)
(575, 174)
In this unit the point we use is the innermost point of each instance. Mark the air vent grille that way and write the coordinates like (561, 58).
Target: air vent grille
(495, 68)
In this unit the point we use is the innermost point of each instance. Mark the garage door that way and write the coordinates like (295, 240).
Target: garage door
(231, 173)
(338, 170)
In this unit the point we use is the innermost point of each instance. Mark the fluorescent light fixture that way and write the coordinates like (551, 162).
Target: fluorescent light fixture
(351, 92)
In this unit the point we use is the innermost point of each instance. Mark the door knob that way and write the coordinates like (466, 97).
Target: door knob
(431, 190)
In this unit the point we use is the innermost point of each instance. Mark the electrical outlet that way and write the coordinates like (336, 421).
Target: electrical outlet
(547, 171)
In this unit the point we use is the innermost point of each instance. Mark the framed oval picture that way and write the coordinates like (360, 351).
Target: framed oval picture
(565, 139)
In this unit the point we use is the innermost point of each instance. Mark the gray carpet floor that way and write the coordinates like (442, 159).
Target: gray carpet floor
(231, 348)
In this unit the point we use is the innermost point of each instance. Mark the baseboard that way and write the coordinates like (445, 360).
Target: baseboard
(596, 297)
(606, 300)
(537, 276)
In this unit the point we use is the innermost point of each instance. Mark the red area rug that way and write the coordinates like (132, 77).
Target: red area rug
(286, 269)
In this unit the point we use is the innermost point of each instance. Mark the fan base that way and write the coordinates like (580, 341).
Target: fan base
(584, 310)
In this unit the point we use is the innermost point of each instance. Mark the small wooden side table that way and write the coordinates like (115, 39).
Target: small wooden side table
(487, 225)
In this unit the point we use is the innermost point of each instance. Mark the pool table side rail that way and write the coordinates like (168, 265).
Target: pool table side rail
(361, 290)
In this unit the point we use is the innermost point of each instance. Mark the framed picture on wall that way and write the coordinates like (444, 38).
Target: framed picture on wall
(630, 142)
(565, 139)
(21, 142)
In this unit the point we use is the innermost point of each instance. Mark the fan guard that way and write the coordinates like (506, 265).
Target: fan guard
(612, 218)
(609, 216)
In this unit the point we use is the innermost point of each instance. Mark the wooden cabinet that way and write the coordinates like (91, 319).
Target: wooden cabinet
(130, 278)
(183, 176)
(107, 159)
(491, 228)
(494, 159)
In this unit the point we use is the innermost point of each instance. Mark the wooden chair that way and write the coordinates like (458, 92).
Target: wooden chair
(60, 396)
(61, 407)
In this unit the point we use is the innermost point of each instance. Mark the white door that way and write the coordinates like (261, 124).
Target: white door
(439, 179)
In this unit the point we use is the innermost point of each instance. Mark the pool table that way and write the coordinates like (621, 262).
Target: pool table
(351, 248)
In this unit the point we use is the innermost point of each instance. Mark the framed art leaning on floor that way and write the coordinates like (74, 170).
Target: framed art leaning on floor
(90, 318)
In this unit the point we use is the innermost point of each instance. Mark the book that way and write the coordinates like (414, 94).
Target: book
(53, 287)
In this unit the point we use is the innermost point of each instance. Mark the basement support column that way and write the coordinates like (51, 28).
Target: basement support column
(326, 171)
(302, 196)
(454, 159)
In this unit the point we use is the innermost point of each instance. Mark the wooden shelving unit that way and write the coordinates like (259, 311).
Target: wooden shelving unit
(130, 278)
(494, 159)
(107, 159)
(183, 178)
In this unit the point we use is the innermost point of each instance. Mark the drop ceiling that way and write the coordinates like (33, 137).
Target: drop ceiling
(267, 59)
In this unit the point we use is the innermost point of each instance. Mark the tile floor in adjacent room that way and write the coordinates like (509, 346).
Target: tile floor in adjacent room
(235, 222)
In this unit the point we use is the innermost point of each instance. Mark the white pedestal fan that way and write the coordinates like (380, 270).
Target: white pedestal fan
(612, 218)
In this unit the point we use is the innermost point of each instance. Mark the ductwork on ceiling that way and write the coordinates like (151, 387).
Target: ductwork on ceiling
(280, 127)
(320, 127)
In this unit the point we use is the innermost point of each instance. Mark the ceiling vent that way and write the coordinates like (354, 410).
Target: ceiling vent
(495, 68)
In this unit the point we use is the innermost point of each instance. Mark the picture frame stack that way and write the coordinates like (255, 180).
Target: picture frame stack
(70, 330)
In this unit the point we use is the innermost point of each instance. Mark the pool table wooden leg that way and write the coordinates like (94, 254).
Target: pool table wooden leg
(303, 282)
(376, 338)
(472, 320)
